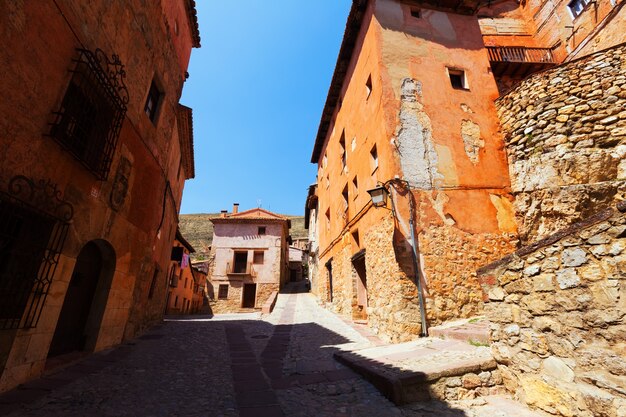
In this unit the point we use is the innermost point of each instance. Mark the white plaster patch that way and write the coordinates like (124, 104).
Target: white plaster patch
(473, 143)
(418, 157)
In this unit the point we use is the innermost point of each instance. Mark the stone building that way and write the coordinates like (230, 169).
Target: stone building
(412, 108)
(296, 261)
(537, 92)
(310, 223)
(95, 152)
(557, 304)
(181, 279)
(250, 258)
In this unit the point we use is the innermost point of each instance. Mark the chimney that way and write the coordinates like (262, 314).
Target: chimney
(223, 213)
(235, 208)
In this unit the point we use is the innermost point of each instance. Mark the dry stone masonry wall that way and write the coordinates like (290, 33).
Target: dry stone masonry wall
(565, 132)
(558, 313)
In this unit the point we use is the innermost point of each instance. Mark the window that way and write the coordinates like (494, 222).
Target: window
(153, 283)
(173, 278)
(33, 227)
(368, 86)
(355, 187)
(327, 181)
(344, 155)
(92, 111)
(152, 102)
(325, 161)
(415, 13)
(261, 230)
(344, 194)
(327, 219)
(222, 292)
(355, 238)
(176, 301)
(186, 279)
(374, 158)
(258, 257)
(576, 7)
(240, 262)
(458, 79)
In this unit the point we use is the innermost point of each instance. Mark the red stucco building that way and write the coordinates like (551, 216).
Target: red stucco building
(94, 154)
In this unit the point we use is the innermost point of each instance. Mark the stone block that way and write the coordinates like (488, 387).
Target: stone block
(543, 282)
(556, 368)
(470, 380)
(567, 278)
(573, 257)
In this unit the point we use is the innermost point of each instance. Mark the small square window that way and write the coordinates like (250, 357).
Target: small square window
(344, 194)
(222, 293)
(355, 187)
(261, 230)
(152, 102)
(416, 13)
(327, 219)
(258, 257)
(458, 79)
(576, 7)
(368, 86)
(374, 158)
(344, 154)
(355, 238)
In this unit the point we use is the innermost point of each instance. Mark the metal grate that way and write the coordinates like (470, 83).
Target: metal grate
(33, 227)
(89, 121)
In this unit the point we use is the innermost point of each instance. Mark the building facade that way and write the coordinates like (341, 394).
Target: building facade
(411, 108)
(250, 259)
(95, 152)
(182, 281)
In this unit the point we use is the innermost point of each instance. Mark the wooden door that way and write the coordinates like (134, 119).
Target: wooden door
(249, 295)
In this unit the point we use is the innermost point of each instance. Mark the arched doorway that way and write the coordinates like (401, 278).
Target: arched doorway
(85, 299)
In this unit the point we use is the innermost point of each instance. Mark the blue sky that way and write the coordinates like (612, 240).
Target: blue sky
(257, 87)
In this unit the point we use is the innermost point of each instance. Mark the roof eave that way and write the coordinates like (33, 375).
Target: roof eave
(351, 33)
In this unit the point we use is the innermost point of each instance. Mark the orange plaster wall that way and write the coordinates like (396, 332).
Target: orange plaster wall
(439, 40)
(361, 118)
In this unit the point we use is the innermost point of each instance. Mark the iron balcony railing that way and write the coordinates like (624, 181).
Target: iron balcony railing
(520, 54)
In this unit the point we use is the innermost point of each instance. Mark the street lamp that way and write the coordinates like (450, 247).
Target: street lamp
(379, 199)
(379, 196)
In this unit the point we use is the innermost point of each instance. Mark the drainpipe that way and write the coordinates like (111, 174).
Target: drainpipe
(416, 265)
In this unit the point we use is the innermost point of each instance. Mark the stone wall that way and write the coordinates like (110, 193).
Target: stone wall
(558, 313)
(452, 288)
(393, 302)
(565, 133)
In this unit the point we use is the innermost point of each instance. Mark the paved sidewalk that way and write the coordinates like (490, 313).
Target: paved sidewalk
(228, 365)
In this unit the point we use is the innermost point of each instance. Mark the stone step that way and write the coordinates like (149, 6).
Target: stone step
(428, 368)
(474, 331)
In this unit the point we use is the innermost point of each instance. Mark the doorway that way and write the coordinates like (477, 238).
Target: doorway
(249, 296)
(360, 278)
(85, 300)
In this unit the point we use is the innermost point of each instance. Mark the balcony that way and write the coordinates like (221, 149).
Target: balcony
(240, 270)
(519, 61)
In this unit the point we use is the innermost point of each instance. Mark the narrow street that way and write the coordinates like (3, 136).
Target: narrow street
(228, 365)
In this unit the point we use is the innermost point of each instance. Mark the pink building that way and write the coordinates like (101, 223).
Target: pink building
(251, 258)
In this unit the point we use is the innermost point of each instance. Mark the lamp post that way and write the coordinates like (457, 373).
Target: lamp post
(379, 196)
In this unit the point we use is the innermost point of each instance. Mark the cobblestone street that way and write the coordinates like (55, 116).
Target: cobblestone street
(228, 365)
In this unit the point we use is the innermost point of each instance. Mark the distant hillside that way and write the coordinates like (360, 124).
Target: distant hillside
(198, 230)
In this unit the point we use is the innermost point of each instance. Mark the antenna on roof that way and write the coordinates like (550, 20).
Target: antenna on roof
(258, 203)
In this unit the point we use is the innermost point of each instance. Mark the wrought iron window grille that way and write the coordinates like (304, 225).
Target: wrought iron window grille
(93, 109)
(34, 221)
